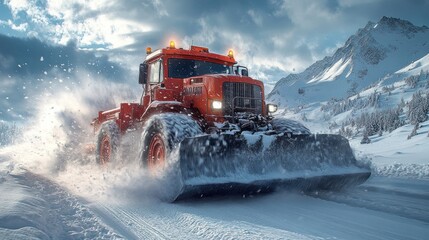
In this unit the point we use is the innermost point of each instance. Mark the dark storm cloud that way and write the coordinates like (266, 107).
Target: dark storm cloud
(246, 26)
(183, 18)
(31, 57)
(280, 36)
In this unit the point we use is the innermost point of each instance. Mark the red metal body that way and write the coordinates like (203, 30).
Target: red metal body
(193, 95)
(200, 91)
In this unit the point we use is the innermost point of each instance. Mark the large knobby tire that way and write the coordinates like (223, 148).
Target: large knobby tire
(107, 142)
(283, 125)
(162, 135)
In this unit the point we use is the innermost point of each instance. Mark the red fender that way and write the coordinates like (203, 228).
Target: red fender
(159, 107)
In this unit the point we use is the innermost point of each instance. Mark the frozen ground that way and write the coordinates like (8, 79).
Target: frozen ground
(82, 201)
(36, 207)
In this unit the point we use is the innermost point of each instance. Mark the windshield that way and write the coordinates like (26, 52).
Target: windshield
(184, 68)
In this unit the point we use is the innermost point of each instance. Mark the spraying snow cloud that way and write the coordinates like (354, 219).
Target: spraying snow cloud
(32, 71)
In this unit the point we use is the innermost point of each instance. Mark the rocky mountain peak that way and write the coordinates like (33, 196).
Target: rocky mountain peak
(375, 51)
(396, 24)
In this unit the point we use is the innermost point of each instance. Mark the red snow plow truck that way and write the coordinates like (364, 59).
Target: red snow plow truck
(205, 109)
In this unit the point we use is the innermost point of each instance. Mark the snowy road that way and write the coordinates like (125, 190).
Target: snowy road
(382, 208)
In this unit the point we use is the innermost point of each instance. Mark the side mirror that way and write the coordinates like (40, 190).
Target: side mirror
(143, 73)
(241, 70)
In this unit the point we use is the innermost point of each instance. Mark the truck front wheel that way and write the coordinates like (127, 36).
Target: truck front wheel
(161, 135)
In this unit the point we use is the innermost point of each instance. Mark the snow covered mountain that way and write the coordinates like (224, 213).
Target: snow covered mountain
(384, 51)
(374, 89)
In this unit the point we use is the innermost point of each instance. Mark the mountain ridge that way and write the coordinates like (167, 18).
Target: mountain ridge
(372, 53)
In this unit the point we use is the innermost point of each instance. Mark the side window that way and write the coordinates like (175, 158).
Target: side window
(161, 72)
(156, 73)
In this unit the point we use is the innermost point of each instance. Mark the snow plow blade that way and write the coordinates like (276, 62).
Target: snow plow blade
(250, 164)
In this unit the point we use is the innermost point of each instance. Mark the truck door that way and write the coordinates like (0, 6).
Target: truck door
(156, 76)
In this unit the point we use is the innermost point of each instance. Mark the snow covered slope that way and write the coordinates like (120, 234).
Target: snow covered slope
(375, 87)
(377, 51)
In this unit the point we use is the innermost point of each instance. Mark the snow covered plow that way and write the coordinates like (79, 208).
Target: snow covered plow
(225, 164)
(228, 141)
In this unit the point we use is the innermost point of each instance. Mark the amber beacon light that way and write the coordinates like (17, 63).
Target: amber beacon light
(148, 50)
(172, 44)
(230, 53)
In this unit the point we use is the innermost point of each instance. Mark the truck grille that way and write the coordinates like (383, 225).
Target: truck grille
(241, 97)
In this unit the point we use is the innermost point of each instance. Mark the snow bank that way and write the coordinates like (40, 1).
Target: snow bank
(393, 155)
(36, 208)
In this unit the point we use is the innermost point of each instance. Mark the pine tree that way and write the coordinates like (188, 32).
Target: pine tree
(365, 139)
(418, 108)
(414, 132)
(411, 81)
(349, 132)
(342, 130)
(402, 104)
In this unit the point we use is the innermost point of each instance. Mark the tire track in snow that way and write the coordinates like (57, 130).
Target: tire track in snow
(310, 217)
(275, 216)
(213, 228)
(158, 220)
(401, 197)
(135, 226)
(67, 217)
(114, 221)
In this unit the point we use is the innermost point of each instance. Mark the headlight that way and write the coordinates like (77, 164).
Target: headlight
(217, 105)
(272, 108)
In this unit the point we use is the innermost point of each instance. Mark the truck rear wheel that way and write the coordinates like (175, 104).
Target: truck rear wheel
(162, 135)
(157, 152)
(107, 142)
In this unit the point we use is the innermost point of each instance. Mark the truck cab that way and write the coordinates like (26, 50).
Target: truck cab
(210, 85)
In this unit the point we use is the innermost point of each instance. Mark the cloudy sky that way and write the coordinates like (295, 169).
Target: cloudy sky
(273, 38)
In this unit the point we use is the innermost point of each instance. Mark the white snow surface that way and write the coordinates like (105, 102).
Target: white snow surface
(51, 190)
(393, 155)
(415, 67)
(49, 207)
(333, 72)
